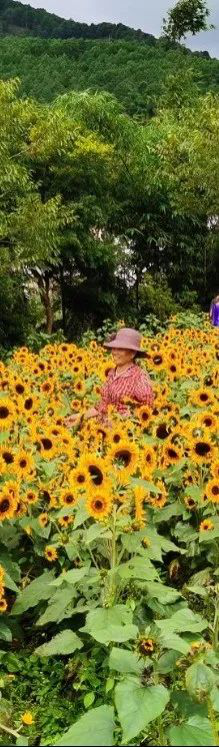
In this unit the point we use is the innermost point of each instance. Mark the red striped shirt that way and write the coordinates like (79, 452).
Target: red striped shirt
(133, 383)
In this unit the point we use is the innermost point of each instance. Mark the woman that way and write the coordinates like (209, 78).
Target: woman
(214, 311)
(127, 380)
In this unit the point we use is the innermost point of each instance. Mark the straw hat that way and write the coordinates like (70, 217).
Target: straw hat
(126, 339)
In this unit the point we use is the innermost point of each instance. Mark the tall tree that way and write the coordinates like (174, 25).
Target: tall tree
(187, 16)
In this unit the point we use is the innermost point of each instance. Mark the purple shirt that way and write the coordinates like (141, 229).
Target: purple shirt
(214, 314)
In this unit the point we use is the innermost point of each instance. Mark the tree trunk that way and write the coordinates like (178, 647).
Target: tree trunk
(48, 305)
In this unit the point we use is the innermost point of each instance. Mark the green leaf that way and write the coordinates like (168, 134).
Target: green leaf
(109, 684)
(110, 625)
(137, 706)
(63, 643)
(175, 643)
(165, 594)
(149, 486)
(167, 662)
(214, 696)
(126, 662)
(199, 590)
(139, 568)
(181, 621)
(9, 583)
(200, 680)
(89, 699)
(57, 606)
(5, 632)
(22, 742)
(197, 732)
(71, 577)
(81, 515)
(94, 729)
(4, 435)
(94, 532)
(36, 591)
(174, 509)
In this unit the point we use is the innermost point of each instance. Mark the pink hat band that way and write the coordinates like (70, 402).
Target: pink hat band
(126, 339)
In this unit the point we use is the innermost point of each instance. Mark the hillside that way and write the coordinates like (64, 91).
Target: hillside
(16, 18)
(132, 71)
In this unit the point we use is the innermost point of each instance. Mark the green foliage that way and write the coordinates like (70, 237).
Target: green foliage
(93, 729)
(186, 16)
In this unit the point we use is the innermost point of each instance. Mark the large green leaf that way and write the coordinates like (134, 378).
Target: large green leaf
(9, 583)
(36, 591)
(63, 643)
(57, 606)
(94, 532)
(71, 577)
(174, 642)
(137, 706)
(5, 632)
(196, 732)
(181, 621)
(200, 680)
(126, 662)
(94, 729)
(110, 625)
(139, 568)
(165, 594)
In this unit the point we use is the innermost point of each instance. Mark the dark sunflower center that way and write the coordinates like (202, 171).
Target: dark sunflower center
(123, 455)
(215, 490)
(98, 505)
(116, 438)
(202, 448)
(19, 388)
(172, 454)
(69, 499)
(28, 403)
(162, 431)
(23, 463)
(96, 474)
(208, 422)
(47, 444)
(4, 412)
(81, 479)
(8, 458)
(145, 416)
(4, 505)
(203, 397)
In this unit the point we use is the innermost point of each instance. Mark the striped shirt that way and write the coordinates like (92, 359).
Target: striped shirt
(132, 383)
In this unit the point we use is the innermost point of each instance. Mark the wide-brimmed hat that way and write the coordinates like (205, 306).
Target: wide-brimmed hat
(126, 339)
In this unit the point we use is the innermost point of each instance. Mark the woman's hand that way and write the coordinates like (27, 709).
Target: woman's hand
(72, 420)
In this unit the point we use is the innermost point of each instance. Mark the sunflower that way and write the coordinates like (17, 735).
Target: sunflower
(68, 497)
(124, 457)
(159, 500)
(3, 605)
(201, 397)
(43, 519)
(79, 388)
(99, 506)
(65, 521)
(162, 430)
(212, 490)
(201, 450)
(2, 573)
(215, 469)
(31, 497)
(145, 646)
(148, 460)
(50, 553)
(190, 503)
(23, 463)
(97, 469)
(208, 421)
(80, 476)
(7, 505)
(46, 445)
(206, 525)
(172, 454)
(7, 413)
(7, 454)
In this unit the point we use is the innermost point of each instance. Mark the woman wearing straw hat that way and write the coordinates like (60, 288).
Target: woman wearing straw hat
(126, 380)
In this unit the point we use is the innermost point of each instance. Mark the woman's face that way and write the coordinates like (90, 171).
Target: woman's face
(122, 357)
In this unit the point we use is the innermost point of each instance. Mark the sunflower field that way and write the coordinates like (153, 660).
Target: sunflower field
(109, 575)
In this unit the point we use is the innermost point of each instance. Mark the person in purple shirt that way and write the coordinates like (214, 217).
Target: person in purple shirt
(214, 312)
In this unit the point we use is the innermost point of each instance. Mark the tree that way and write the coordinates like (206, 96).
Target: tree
(187, 16)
